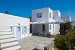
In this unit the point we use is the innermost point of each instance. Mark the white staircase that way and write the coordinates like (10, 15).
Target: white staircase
(8, 40)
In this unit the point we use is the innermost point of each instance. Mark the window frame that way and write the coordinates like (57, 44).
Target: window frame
(50, 14)
(53, 17)
(24, 29)
(19, 28)
(53, 27)
(39, 15)
(50, 26)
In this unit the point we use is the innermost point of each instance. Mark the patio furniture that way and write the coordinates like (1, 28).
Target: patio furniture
(48, 34)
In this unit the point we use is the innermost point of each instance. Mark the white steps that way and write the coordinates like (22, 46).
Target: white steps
(6, 36)
(4, 29)
(8, 44)
(8, 40)
(13, 48)
(2, 33)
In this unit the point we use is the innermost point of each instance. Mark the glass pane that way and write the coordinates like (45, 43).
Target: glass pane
(39, 15)
(18, 28)
(11, 28)
(24, 30)
(50, 15)
(50, 27)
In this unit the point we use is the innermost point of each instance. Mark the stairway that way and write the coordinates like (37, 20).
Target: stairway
(8, 40)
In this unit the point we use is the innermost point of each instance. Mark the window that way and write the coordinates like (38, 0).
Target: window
(24, 29)
(11, 28)
(19, 29)
(50, 15)
(39, 15)
(50, 26)
(53, 27)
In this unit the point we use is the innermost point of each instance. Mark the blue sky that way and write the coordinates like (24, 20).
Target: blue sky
(24, 7)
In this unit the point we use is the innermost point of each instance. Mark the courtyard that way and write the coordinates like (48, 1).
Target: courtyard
(31, 42)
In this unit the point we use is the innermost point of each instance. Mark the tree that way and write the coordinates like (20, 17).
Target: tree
(66, 40)
(65, 27)
(30, 24)
(30, 18)
(6, 12)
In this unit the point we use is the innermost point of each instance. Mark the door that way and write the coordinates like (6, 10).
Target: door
(18, 32)
(43, 28)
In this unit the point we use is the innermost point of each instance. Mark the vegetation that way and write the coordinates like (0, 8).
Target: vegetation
(66, 41)
(6, 12)
(65, 27)
(30, 18)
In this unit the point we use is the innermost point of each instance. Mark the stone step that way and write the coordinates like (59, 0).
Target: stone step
(6, 36)
(5, 30)
(2, 33)
(12, 47)
(7, 40)
(4, 27)
(6, 45)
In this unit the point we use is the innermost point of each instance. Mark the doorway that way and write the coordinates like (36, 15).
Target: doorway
(18, 32)
(43, 28)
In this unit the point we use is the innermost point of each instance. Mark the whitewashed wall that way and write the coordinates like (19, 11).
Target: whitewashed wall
(57, 17)
(52, 29)
(44, 17)
(11, 20)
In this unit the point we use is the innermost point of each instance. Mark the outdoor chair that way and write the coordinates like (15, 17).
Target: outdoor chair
(48, 34)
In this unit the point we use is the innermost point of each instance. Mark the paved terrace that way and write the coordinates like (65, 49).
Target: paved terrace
(29, 43)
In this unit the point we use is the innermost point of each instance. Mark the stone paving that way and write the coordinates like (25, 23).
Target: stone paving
(29, 43)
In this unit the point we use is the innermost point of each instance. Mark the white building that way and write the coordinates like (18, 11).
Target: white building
(67, 18)
(41, 17)
(18, 25)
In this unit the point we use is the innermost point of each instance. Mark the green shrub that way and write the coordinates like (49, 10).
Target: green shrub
(65, 42)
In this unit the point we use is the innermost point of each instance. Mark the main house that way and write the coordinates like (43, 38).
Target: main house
(42, 18)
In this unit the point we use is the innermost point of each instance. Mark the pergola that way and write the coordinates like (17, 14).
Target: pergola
(46, 22)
